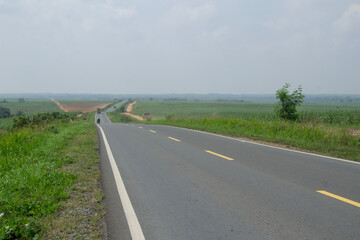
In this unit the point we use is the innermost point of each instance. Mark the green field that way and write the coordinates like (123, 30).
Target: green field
(326, 114)
(30, 106)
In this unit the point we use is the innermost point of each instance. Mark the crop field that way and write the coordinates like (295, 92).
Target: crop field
(343, 115)
(30, 106)
(81, 106)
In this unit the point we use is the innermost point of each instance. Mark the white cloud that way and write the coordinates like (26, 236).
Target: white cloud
(350, 19)
(221, 32)
(183, 15)
(126, 12)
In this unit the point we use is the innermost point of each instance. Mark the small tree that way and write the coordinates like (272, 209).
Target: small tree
(5, 112)
(286, 107)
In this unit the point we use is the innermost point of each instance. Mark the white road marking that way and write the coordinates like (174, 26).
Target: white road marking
(133, 222)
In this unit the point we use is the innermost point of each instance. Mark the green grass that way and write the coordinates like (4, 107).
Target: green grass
(159, 110)
(5, 123)
(81, 215)
(34, 180)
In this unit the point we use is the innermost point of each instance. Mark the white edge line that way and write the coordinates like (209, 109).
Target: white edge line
(264, 145)
(133, 222)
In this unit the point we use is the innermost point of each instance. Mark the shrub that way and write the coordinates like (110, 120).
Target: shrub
(5, 112)
(286, 107)
(40, 119)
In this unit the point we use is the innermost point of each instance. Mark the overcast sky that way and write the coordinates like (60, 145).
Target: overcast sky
(179, 46)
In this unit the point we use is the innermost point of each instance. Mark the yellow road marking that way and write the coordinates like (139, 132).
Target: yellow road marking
(174, 139)
(219, 155)
(140, 127)
(152, 131)
(356, 204)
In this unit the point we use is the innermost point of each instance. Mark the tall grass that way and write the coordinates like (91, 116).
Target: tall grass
(339, 117)
(32, 182)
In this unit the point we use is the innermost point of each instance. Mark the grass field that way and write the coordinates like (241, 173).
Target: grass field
(329, 129)
(30, 106)
(50, 167)
(5, 123)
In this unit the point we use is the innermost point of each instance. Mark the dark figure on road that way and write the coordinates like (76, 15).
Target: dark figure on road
(98, 120)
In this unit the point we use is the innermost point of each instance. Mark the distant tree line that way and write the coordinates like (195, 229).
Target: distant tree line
(6, 113)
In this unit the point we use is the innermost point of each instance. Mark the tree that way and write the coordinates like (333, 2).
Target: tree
(21, 99)
(286, 107)
(5, 112)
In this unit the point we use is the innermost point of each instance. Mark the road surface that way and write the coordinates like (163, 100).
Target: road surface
(185, 184)
(113, 108)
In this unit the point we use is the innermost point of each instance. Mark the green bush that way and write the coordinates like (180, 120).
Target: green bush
(286, 107)
(5, 112)
(40, 119)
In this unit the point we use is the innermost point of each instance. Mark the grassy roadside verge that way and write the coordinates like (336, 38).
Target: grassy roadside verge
(49, 185)
(336, 142)
(323, 139)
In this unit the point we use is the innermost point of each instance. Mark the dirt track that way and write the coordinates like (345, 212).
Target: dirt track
(83, 107)
(129, 109)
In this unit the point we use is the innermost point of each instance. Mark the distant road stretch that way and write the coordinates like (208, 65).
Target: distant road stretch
(113, 108)
(184, 184)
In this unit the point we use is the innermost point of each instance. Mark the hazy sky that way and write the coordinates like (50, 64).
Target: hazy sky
(179, 46)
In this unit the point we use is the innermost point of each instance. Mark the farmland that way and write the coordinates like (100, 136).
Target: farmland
(30, 106)
(332, 114)
(81, 106)
(330, 129)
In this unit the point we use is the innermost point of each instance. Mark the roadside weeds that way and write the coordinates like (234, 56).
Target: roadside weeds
(81, 216)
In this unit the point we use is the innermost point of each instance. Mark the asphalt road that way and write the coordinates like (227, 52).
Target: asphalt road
(186, 184)
(113, 108)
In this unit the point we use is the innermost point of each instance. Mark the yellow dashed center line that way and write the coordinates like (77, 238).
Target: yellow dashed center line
(219, 155)
(152, 131)
(356, 204)
(174, 139)
(140, 127)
